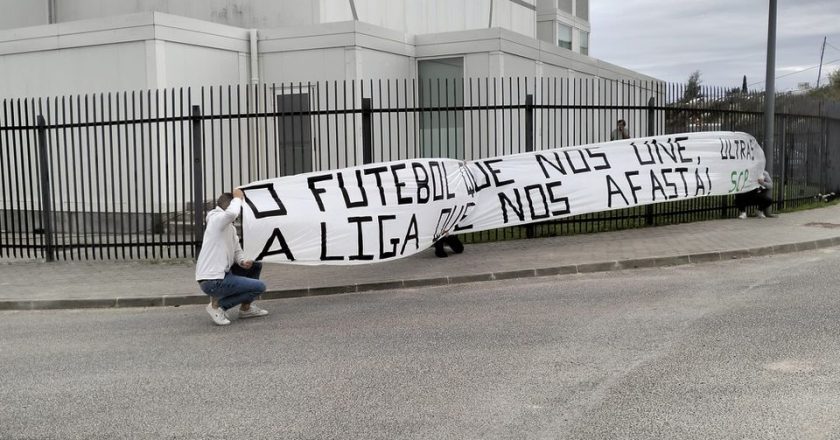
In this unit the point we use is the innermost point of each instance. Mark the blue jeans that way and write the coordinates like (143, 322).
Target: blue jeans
(237, 287)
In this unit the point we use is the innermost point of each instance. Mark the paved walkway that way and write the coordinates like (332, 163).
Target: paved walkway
(35, 285)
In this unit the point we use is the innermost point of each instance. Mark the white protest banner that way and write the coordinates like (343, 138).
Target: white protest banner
(354, 215)
(551, 184)
(391, 210)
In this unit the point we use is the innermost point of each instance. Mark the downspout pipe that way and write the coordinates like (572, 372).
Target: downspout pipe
(255, 81)
(255, 58)
(51, 13)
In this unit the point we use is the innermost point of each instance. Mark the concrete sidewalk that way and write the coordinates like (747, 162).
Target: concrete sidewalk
(36, 285)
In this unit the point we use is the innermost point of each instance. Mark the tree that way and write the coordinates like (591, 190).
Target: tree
(692, 88)
(737, 91)
(834, 79)
(830, 91)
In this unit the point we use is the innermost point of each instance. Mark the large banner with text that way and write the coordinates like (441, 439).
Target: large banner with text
(390, 210)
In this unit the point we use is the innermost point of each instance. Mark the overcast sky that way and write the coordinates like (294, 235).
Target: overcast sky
(723, 39)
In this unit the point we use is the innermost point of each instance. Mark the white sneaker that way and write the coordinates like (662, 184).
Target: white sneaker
(761, 214)
(253, 312)
(743, 215)
(218, 315)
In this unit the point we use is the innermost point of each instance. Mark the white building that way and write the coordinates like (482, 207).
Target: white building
(59, 47)
(51, 48)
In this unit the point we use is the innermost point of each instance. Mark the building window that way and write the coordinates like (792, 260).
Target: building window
(564, 36)
(584, 43)
(582, 9)
(565, 6)
(294, 134)
(441, 85)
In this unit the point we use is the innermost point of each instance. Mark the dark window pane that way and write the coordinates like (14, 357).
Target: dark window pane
(294, 136)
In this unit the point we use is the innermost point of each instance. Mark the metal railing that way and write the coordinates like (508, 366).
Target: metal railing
(113, 175)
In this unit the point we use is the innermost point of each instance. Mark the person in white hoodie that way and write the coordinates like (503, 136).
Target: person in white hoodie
(221, 270)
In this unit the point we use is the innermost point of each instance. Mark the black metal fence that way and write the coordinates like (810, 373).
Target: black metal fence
(114, 175)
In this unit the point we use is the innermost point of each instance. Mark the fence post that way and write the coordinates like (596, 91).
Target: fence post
(823, 150)
(651, 117)
(530, 230)
(780, 192)
(649, 218)
(46, 195)
(529, 123)
(367, 131)
(198, 179)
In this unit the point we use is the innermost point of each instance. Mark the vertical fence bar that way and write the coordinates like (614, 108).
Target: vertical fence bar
(6, 186)
(823, 160)
(116, 185)
(529, 122)
(143, 170)
(316, 135)
(20, 188)
(266, 138)
(346, 131)
(649, 211)
(353, 107)
(5, 147)
(101, 193)
(46, 194)
(85, 182)
(184, 165)
(404, 112)
(650, 116)
(76, 167)
(367, 131)
(29, 174)
(164, 152)
(134, 168)
(530, 230)
(382, 123)
(782, 184)
(198, 184)
(55, 158)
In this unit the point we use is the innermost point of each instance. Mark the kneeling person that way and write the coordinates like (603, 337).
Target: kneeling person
(221, 270)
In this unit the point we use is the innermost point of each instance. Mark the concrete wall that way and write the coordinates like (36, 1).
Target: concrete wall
(305, 65)
(241, 13)
(23, 13)
(74, 70)
(408, 16)
(133, 52)
(418, 17)
(187, 65)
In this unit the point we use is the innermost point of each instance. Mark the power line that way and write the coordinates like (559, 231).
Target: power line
(798, 71)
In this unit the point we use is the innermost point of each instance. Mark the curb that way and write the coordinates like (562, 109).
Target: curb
(606, 266)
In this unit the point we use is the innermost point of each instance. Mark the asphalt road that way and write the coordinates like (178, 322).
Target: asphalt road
(742, 349)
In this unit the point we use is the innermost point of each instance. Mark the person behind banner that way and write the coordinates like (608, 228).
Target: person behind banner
(448, 240)
(761, 196)
(221, 270)
(620, 131)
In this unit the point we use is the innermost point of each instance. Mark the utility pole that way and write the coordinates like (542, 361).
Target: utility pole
(770, 89)
(822, 54)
